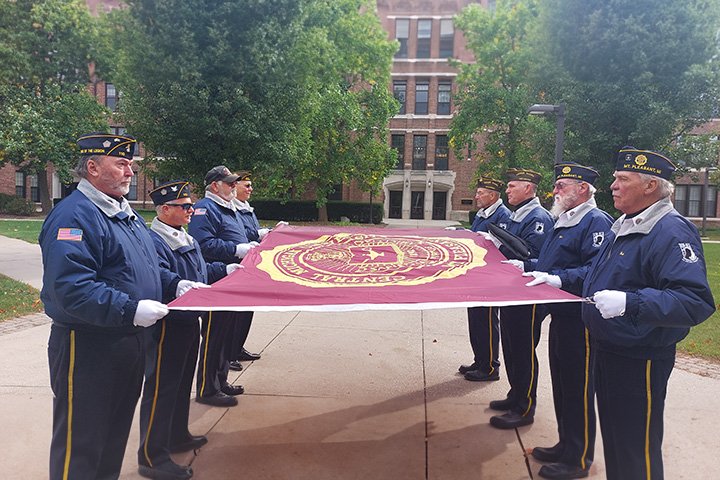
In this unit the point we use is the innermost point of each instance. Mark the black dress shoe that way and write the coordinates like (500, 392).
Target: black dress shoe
(478, 376)
(235, 365)
(468, 368)
(562, 471)
(246, 356)
(510, 420)
(502, 405)
(192, 443)
(548, 454)
(166, 471)
(232, 390)
(218, 400)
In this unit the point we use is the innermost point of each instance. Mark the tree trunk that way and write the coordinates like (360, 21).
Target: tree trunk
(44, 190)
(322, 214)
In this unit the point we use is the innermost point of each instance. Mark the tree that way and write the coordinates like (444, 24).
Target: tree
(495, 92)
(45, 48)
(635, 72)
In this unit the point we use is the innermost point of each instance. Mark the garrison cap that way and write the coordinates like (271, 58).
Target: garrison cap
(631, 159)
(101, 143)
(244, 176)
(523, 175)
(576, 171)
(490, 184)
(170, 191)
(220, 173)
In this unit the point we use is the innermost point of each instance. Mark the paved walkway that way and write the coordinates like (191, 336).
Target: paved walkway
(363, 395)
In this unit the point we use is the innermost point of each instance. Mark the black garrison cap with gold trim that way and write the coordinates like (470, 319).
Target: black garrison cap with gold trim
(100, 143)
(490, 184)
(576, 171)
(523, 175)
(169, 191)
(630, 159)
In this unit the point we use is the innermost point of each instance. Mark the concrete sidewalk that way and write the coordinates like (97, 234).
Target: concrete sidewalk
(366, 395)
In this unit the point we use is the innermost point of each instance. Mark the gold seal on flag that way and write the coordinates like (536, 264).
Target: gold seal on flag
(370, 260)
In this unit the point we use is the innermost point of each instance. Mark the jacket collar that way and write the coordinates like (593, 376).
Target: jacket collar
(175, 237)
(488, 211)
(572, 217)
(108, 205)
(221, 201)
(644, 221)
(522, 212)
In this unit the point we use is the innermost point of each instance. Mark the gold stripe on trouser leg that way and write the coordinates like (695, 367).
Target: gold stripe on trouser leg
(490, 337)
(648, 366)
(205, 354)
(71, 373)
(155, 395)
(532, 361)
(585, 398)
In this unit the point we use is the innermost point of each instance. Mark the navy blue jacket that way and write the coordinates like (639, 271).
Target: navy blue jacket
(499, 217)
(532, 223)
(218, 229)
(96, 276)
(657, 259)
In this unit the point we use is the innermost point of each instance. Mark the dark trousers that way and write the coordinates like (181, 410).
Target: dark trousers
(520, 334)
(241, 330)
(170, 358)
(572, 385)
(215, 350)
(484, 329)
(96, 379)
(631, 401)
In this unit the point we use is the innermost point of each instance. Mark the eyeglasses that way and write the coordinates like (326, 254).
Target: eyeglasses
(563, 185)
(184, 206)
(232, 184)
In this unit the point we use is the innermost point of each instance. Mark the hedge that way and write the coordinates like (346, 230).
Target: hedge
(13, 205)
(307, 211)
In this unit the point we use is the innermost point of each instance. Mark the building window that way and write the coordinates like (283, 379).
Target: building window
(688, 200)
(419, 161)
(421, 98)
(443, 100)
(132, 193)
(20, 184)
(34, 190)
(423, 38)
(336, 193)
(397, 142)
(118, 130)
(447, 38)
(402, 32)
(400, 91)
(441, 152)
(111, 96)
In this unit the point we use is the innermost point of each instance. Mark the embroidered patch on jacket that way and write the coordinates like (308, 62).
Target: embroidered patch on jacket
(71, 234)
(539, 228)
(200, 211)
(688, 254)
(598, 238)
(503, 226)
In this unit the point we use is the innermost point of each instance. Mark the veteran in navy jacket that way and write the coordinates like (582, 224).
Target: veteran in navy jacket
(649, 286)
(520, 325)
(483, 322)
(564, 260)
(102, 286)
(172, 343)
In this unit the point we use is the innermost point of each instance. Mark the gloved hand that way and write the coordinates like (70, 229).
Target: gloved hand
(243, 248)
(148, 312)
(515, 263)
(543, 277)
(610, 303)
(491, 237)
(451, 228)
(184, 286)
(281, 222)
(231, 267)
(263, 231)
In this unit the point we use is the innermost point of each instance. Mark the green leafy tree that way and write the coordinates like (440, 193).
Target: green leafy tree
(45, 50)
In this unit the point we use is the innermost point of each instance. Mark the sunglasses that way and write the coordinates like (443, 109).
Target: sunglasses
(184, 206)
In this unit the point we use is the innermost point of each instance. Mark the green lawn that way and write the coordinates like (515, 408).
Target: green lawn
(17, 299)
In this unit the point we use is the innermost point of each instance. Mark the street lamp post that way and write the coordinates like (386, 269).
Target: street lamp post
(559, 111)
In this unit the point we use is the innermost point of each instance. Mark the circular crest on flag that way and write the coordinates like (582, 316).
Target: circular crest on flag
(369, 260)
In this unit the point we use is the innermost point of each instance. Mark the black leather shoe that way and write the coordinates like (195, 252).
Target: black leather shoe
(235, 365)
(478, 376)
(510, 420)
(192, 443)
(220, 399)
(232, 390)
(166, 471)
(502, 405)
(561, 471)
(468, 368)
(246, 356)
(548, 454)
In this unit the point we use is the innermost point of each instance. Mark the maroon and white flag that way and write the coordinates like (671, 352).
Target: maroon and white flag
(344, 268)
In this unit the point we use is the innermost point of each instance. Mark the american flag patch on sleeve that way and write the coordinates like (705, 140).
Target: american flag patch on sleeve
(200, 211)
(71, 234)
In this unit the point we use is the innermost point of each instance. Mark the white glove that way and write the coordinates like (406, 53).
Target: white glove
(243, 248)
(281, 223)
(450, 228)
(515, 263)
(231, 267)
(148, 312)
(491, 237)
(543, 277)
(611, 303)
(263, 231)
(184, 286)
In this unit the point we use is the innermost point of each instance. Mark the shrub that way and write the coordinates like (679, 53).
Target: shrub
(307, 211)
(13, 205)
